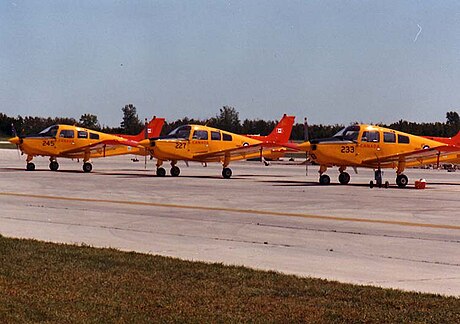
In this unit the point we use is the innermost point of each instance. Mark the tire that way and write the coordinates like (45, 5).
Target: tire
(387, 184)
(371, 184)
(226, 173)
(30, 166)
(402, 180)
(87, 167)
(161, 172)
(324, 180)
(54, 166)
(175, 171)
(344, 178)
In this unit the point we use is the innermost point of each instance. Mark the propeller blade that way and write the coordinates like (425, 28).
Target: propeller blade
(13, 130)
(306, 138)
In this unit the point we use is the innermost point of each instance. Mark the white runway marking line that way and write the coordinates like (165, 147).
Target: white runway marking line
(236, 210)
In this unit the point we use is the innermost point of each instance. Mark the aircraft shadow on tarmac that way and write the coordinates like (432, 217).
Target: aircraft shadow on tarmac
(293, 183)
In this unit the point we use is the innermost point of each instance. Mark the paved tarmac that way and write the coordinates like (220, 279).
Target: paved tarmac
(272, 218)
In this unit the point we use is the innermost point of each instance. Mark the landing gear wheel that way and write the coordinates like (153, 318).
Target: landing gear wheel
(344, 178)
(87, 167)
(54, 166)
(387, 184)
(371, 184)
(161, 172)
(30, 166)
(175, 171)
(402, 180)
(324, 179)
(227, 173)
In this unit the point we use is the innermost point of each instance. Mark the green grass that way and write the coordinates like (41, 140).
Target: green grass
(54, 283)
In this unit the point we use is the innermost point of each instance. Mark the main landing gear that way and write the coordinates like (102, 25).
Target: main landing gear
(30, 166)
(344, 177)
(87, 167)
(226, 173)
(402, 180)
(54, 165)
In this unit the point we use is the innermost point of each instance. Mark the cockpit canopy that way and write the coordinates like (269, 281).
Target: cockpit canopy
(180, 132)
(49, 132)
(349, 133)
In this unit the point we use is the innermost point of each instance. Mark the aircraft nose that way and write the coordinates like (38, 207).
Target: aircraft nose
(15, 140)
(145, 143)
(305, 146)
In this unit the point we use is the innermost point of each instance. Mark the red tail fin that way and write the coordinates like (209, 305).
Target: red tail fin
(281, 133)
(153, 129)
(456, 139)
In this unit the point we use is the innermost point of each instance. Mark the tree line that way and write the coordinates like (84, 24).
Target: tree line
(227, 119)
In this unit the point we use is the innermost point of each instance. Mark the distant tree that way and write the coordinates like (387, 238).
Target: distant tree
(227, 119)
(131, 123)
(453, 123)
(453, 118)
(5, 125)
(89, 121)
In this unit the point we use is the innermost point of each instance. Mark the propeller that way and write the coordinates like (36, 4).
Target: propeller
(146, 135)
(306, 138)
(15, 134)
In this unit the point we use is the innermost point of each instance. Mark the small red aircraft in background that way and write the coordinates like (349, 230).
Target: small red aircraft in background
(151, 129)
(280, 134)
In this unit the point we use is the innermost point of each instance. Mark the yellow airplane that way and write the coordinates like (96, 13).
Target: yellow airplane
(206, 144)
(76, 142)
(372, 147)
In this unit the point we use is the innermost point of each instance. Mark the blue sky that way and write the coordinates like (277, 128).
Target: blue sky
(332, 61)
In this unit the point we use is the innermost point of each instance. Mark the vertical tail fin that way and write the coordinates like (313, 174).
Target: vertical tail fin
(455, 140)
(152, 129)
(282, 131)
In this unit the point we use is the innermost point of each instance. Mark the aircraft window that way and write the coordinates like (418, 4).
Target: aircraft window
(82, 134)
(94, 136)
(66, 133)
(180, 132)
(226, 137)
(349, 133)
(50, 131)
(200, 135)
(215, 136)
(402, 139)
(371, 136)
(389, 137)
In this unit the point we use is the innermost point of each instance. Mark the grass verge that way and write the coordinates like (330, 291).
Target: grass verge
(45, 282)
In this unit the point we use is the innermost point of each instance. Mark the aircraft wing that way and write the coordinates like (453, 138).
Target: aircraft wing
(235, 153)
(414, 156)
(100, 146)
